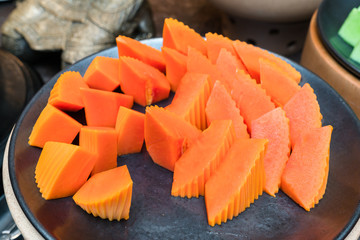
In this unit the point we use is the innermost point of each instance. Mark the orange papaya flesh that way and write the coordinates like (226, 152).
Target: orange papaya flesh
(65, 95)
(145, 83)
(201, 159)
(167, 136)
(215, 42)
(237, 182)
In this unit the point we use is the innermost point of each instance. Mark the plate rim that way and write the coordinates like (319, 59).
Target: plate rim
(41, 229)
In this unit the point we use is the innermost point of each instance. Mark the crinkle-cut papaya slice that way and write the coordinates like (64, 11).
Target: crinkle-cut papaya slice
(303, 111)
(145, 83)
(273, 126)
(250, 55)
(220, 106)
(62, 169)
(130, 131)
(305, 175)
(175, 66)
(237, 182)
(53, 125)
(133, 48)
(179, 36)
(250, 98)
(276, 82)
(202, 158)
(65, 95)
(102, 142)
(103, 73)
(107, 194)
(215, 42)
(228, 65)
(101, 107)
(167, 136)
(190, 99)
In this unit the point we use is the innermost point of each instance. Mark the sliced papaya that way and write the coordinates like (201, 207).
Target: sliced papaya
(190, 99)
(107, 194)
(101, 107)
(179, 36)
(167, 136)
(273, 126)
(175, 66)
(103, 73)
(306, 173)
(202, 158)
(102, 142)
(65, 95)
(130, 131)
(237, 182)
(53, 125)
(215, 42)
(220, 106)
(62, 169)
(145, 83)
(133, 48)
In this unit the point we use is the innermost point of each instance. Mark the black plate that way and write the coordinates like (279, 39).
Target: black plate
(155, 214)
(331, 15)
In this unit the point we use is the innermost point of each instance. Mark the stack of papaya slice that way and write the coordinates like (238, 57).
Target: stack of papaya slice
(239, 124)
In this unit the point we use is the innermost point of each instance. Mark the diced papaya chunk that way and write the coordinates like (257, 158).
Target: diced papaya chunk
(220, 106)
(53, 125)
(102, 142)
(237, 182)
(167, 136)
(305, 175)
(133, 48)
(62, 169)
(175, 66)
(190, 99)
(145, 83)
(130, 131)
(101, 107)
(107, 194)
(65, 95)
(103, 73)
(273, 126)
(179, 36)
(202, 158)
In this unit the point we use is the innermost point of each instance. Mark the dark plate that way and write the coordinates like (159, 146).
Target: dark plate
(155, 214)
(331, 15)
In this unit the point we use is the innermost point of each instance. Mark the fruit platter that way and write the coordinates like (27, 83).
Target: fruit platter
(73, 199)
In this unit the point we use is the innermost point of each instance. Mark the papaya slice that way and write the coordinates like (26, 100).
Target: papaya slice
(145, 83)
(179, 36)
(273, 126)
(250, 98)
(220, 106)
(201, 159)
(237, 182)
(133, 48)
(62, 169)
(65, 95)
(53, 125)
(303, 111)
(107, 194)
(175, 66)
(102, 142)
(215, 42)
(130, 131)
(190, 99)
(228, 66)
(250, 55)
(276, 82)
(305, 175)
(167, 136)
(101, 107)
(103, 73)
